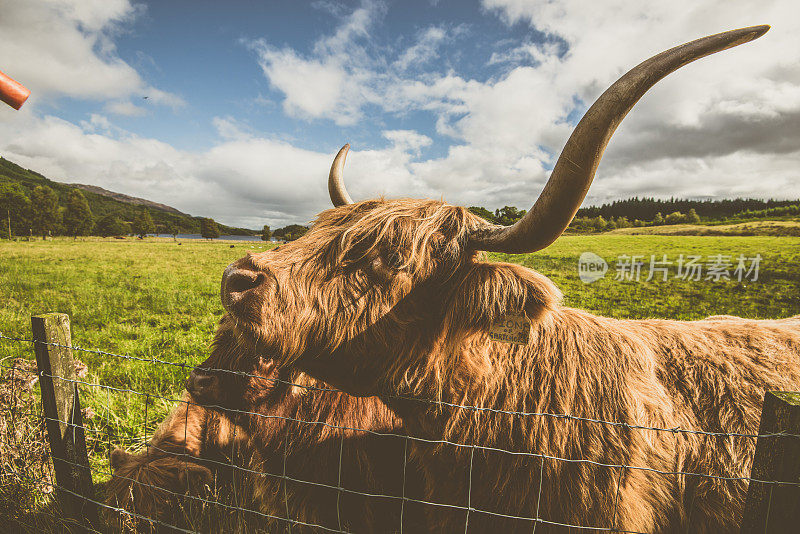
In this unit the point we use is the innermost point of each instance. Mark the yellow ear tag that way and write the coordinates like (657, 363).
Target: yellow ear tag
(511, 328)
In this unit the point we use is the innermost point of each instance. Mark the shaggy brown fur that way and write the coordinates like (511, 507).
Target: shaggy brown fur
(154, 483)
(304, 430)
(384, 297)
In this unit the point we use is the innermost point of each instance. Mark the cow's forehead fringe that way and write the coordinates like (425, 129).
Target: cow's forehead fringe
(409, 226)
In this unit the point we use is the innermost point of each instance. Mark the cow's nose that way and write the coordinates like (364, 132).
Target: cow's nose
(202, 382)
(237, 282)
(240, 281)
(202, 385)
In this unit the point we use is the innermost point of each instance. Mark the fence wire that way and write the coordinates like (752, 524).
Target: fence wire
(20, 404)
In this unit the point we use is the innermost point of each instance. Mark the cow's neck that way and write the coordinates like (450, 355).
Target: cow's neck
(558, 372)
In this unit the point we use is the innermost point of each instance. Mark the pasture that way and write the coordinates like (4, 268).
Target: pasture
(157, 299)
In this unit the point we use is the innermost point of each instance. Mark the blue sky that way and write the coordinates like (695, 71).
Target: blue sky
(209, 56)
(469, 101)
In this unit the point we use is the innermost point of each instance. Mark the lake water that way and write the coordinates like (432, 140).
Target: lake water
(224, 237)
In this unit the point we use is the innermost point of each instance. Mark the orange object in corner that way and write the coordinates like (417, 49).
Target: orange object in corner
(12, 92)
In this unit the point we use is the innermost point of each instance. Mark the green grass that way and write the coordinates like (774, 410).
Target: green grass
(157, 299)
(788, 227)
(774, 294)
(151, 299)
(148, 299)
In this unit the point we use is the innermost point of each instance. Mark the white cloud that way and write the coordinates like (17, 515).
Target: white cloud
(424, 50)
(346, 72)
(407, 140)
(65, 48)
(355, 26)
(229, 128)
(313, 88)
(510, 128)
(242, 180)
(335, 81)
(126, 108)
(605, 39)
(97, 123)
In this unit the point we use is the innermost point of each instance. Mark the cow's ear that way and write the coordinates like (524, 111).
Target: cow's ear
(194, 476)
(488, 292)
(118, 458)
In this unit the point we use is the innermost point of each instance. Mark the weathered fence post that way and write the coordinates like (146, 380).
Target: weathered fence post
(64, 420)
(775, 508)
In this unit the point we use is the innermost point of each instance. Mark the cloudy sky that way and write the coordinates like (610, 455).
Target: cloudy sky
(234, 110)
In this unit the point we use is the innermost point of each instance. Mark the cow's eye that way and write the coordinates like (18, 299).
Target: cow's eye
(387, 266)
(394, 260)
(379, 268)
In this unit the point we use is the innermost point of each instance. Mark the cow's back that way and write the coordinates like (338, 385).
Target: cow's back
(718, 370)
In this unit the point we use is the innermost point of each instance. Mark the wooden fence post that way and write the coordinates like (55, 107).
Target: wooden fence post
(64, 420)
(775, 508)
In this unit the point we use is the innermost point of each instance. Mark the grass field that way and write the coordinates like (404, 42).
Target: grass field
(157, 299)
(755, 227)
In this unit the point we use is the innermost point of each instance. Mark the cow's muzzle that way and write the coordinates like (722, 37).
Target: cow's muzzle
(237, 283)
(204, 386)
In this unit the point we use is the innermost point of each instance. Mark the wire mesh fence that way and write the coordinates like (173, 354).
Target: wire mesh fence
(298, 456)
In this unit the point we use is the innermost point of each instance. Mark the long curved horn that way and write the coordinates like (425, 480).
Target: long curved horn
(339, 195)
(573, 172)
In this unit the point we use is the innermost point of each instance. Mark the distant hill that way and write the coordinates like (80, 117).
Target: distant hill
(103, 202)
(127, 198)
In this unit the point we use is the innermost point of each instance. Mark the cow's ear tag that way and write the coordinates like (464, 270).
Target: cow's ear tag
(512, 328)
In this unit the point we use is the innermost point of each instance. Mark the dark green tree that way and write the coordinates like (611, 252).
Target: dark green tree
(675, 217)
(265, 233)
(291, 232)
(14, 208)
(111, 225)
(208, 228)
(143, 224)
(78, 216)
(174, 230)
(508, 215)
(483, 212)
(44, 210)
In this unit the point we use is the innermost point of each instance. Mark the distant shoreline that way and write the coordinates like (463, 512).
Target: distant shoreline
(220, 238)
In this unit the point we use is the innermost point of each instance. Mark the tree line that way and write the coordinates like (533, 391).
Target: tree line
(636, 212)
(41, 214)
(287, 233)
(646, 208)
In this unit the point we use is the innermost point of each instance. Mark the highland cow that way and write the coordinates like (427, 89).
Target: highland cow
(289, 456)
(393, 298)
